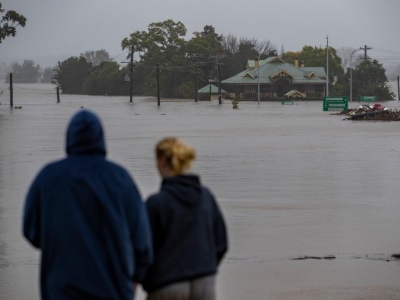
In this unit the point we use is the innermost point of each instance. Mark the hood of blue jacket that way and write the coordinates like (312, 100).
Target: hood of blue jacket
(85, 135)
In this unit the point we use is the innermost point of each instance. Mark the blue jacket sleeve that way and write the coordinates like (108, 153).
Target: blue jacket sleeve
(140, 234)
(31, 219)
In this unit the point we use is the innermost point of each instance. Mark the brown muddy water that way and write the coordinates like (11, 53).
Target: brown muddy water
(292, 181)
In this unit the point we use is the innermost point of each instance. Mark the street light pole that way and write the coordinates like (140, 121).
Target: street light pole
(351, 74)
(258, 78)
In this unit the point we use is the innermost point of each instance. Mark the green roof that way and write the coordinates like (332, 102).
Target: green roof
(206, 89)
(273, 65)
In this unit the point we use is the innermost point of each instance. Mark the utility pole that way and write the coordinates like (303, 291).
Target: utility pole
(258, 81)
(219, 82)
(197, 86)
(131, 81)
(351, 74)
(158, 85)
(11, 91)
(365, 52)
(327, 66)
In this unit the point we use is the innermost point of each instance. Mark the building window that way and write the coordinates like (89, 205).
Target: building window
(249, 88)
(310, 88)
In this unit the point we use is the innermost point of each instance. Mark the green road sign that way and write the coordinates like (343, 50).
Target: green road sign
(287, 103)
(368, 98)
(335, 104)
(334, 109)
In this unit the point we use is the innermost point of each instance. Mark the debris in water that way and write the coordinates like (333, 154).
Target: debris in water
(329, 257)
(376, 112)
(396, 256)
(235, 103)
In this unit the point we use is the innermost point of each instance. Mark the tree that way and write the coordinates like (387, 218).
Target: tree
(96, 57)
(316, 57)
(203, 51)
(205, 43)
(9, 23)
(47, 75)
(105, 79)
(71, 74)
(239, 50)
(369, 79)
(4, 69)
(28, 72)
(345, 54)
(162, 44)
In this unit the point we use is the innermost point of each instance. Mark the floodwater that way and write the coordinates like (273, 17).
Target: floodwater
(292, 181)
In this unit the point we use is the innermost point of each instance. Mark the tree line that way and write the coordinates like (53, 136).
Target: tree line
(185, 65)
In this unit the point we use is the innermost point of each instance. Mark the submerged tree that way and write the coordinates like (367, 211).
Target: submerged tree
(47, 75)
(369, 79)
(28, 72)
(9, 23)
(163, 44)
(105, 79)
(71, 74)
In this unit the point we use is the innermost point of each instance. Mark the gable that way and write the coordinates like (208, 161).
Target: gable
(248, 74)
(312, 74)
(295, 94)
(275, 59)
(282, 73)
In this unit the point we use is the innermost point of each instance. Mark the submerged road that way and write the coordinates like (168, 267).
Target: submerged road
(292, 181)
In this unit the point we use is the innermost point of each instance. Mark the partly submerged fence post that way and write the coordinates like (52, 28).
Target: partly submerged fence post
(11, 91)
(158, 84)
(58, 94)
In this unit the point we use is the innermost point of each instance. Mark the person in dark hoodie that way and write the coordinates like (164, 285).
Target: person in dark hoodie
(86, 215)
(189, 234)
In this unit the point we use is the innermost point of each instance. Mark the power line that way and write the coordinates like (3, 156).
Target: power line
(386, 50)
(119, 55)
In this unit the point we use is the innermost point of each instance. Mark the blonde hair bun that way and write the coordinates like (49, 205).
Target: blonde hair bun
(177, 154)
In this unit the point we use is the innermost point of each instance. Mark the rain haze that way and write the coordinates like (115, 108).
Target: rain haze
(56, 30)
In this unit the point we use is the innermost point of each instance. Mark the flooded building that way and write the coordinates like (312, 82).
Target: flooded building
(277, 78)
(210, 92)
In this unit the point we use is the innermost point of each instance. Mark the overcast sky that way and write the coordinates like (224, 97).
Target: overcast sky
(57, 29)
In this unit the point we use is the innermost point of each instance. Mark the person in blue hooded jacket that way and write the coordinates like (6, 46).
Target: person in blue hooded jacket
(189, 234)
(87, 217)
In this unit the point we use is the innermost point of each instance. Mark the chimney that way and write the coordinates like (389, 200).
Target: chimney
(296, 62)
(256, 63)
(302, 64)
